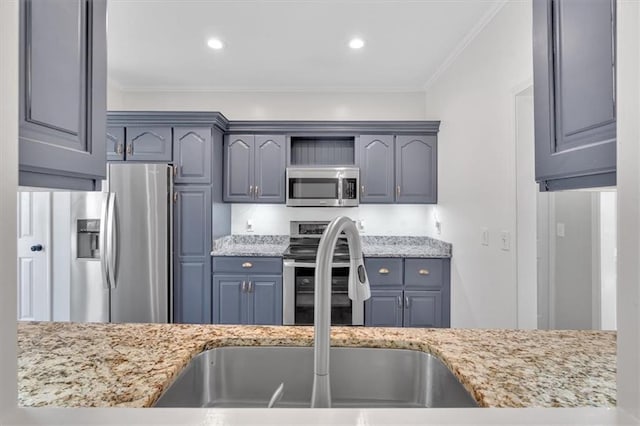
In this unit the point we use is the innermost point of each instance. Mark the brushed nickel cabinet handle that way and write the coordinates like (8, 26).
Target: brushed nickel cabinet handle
(119, 149)
(175, 171)
(399, 302)
(423, 272)
(250, 288)
(362, 188)
(129, 149)
(406, 302)
(175, 197)
(255, 191)
(247, 265)
(243, 287)
(398, 190)
(250, 190)
(383, 271)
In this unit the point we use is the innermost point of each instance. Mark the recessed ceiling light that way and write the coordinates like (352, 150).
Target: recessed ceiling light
(356, 43)
(215, 43)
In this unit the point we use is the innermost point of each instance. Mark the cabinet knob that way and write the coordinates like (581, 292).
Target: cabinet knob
(37, 247)
(247, 265)
(423, 272)
(383, 271)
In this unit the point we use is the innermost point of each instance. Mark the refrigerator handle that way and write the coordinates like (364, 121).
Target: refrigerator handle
(104, 244)
(112, 237)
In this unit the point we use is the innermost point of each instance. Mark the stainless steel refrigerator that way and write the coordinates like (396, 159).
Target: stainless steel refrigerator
(121, 247)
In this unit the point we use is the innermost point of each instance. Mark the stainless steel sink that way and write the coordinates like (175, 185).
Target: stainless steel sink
(360, 377)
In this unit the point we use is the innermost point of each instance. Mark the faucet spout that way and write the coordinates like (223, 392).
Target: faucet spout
(359, 291)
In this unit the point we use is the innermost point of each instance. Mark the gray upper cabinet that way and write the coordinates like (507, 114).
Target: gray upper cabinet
(192, 154)
(62, 93)
(269, 172)
(574, 59)
(254, 168)
(376, 168)
(115, 143)
(398, 169)
(238, 166)
(416, 169)
(149, 144)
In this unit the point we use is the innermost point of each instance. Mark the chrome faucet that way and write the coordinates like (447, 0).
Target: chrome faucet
(359, 291)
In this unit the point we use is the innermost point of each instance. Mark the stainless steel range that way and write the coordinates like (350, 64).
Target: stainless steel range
(298, 285)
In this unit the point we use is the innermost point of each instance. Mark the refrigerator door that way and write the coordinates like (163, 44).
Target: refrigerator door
(140, 259)
(89, 288)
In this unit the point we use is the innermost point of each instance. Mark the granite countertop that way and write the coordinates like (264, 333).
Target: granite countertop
(130, 365)
(372, 246)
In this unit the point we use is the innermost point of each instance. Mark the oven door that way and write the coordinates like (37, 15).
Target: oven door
(298, 294)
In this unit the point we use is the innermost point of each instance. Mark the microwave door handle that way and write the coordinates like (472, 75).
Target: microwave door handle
(104, 243)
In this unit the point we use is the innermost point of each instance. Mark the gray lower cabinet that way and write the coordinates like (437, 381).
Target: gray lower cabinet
(63, 75)
(243, 297)
(398, 169)
(192, 258)
(574, 68)
(254, 168)
(410, 292)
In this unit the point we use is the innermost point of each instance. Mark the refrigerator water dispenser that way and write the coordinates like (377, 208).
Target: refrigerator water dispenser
(88, 238)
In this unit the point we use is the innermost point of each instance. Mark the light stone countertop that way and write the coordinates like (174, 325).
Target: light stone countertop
(130, 365)
(372, 246)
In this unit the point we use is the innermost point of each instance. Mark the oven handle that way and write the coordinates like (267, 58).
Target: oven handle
(293, 263)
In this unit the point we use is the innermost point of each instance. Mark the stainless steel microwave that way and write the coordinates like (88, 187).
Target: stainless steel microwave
(323, 186)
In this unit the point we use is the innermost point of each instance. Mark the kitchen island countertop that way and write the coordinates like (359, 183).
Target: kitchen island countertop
(130, 365)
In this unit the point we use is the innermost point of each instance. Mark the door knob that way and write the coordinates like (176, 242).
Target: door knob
(37, 247)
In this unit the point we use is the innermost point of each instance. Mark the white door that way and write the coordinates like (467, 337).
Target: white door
(34, 288)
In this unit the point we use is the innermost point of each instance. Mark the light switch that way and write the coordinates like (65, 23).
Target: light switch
(505, 240)
(484, 236)
(249, 225)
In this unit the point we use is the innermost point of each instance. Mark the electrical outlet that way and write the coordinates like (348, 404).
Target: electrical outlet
(484, 236)
(505, 240)
(361, 225)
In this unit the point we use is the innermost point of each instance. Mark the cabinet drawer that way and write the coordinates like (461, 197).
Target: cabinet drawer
(423, 273)
(384, 271)
(247, 265)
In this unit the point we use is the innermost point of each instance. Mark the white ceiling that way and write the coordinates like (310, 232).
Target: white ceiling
(287, 45)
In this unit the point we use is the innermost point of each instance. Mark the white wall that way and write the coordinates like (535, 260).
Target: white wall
(474, 98)
(278, 105)
(61, 253)
(390, 219)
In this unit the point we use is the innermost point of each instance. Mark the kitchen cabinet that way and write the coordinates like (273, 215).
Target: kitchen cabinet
(574, 69)
(254, 168)
(115, 143)
(192, 258)
(63, 76)
(192, 154)
(148, 144)
(400, 169)
(247, 290)
(411, 292)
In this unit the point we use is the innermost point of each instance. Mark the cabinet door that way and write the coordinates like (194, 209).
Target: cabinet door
(192, 292)
(192, 154)
(265, 299)
(375, 158)
(574, 91)
(115, 143)
(238, 166)
(148, 144)
(384, 309)
(192, 220)
(270, 153)
(229, 300)
(422, 309)
(416, 169)
(62, 91)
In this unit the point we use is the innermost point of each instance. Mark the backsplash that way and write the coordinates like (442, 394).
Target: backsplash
(378, 219)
